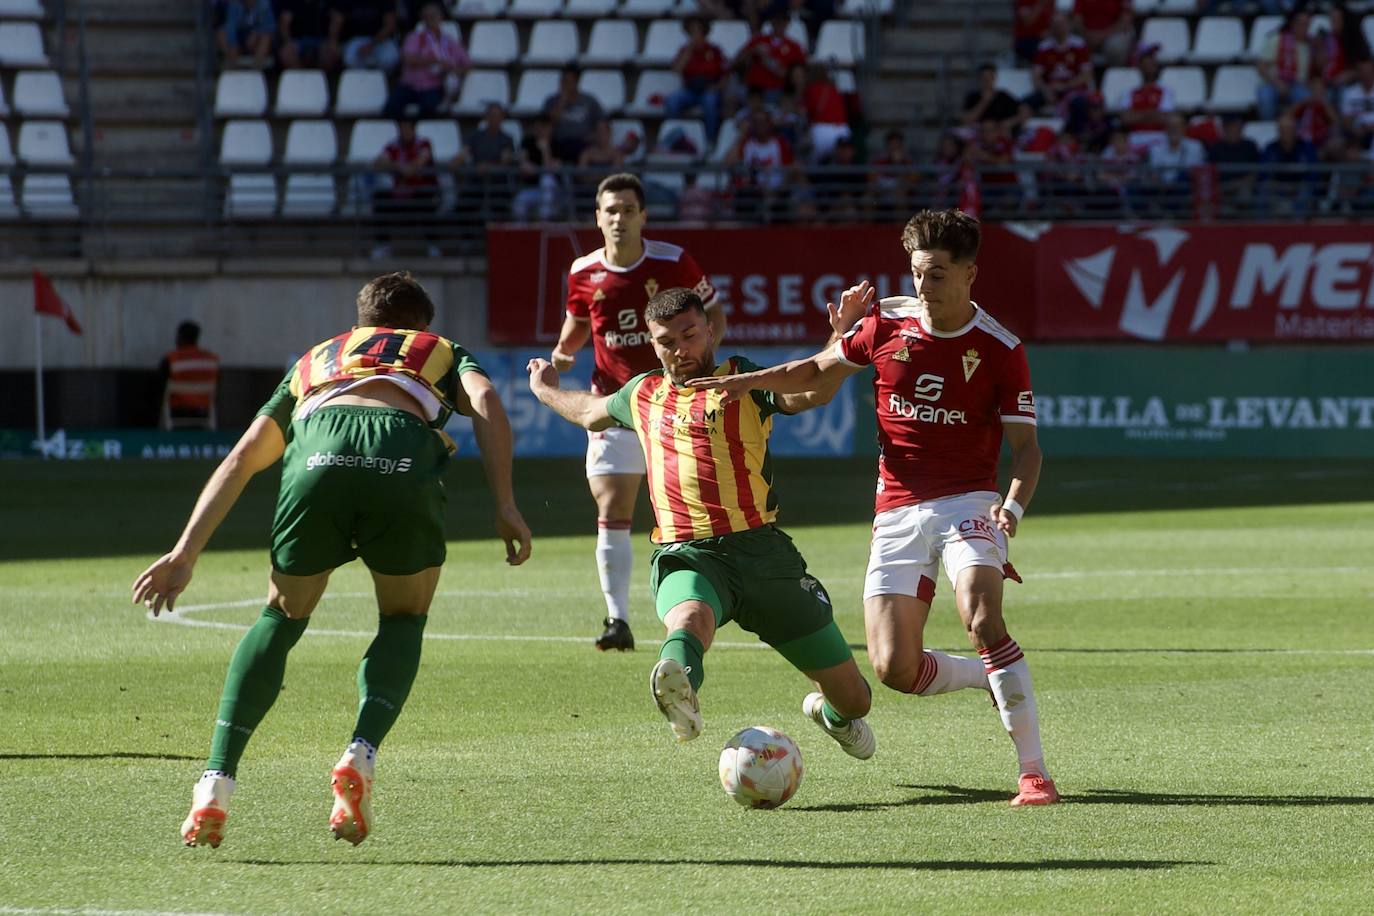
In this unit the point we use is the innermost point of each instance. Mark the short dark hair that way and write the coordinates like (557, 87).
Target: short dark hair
(984, 68)
(953, 231)
(395, 300)
(621, 181)
(188, 333)
(670, 303)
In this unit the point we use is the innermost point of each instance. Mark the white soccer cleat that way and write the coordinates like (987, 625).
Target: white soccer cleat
(855, 737)
(204, 826)
(351, 781)
(676, 699)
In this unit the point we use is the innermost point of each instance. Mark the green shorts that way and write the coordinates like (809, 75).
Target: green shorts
(360, 482)
(758, 579)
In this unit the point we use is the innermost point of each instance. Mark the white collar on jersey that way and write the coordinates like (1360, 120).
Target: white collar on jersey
(924, 318)
(624, 270)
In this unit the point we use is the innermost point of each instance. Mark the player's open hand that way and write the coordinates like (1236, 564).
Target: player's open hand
(163, 582)
(510, 524)
(543, 374)
(854, 304)
(733, 387)
(1005, 521)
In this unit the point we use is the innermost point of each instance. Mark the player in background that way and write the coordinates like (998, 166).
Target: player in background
(950, 382)
(607, 292)
(719, 555)
(358, 423)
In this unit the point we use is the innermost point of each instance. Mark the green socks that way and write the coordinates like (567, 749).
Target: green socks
(251, 686)
(386, 673)
(685, 649)
(831, 716)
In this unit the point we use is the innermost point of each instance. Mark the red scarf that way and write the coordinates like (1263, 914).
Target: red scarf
(1286, 64)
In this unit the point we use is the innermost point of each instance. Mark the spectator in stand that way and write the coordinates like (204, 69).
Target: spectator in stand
(366, 31)
(574, 115)
(839, 184)
(1063, 71)
(952, 157)
(764, 167)
(190, 375)
(1062, 184)
(486, 157)
(1145, 109)
(1350, 189)
(1119, 174)
(893, 179)
(1108, 27)
(1094, 127)
(1235, 156)
(1357, 105)
(1315, 115)
(1172, 161)
(428, 57)
(826, 111)
(768, 56)
(414, 191)
(701, 65)
(992, 154)
(248, 29)
(1030, 23)
(1288, 186)
(1283, 65)
(987, 101)
(303, 28)
(1338, 49)
(541, 191)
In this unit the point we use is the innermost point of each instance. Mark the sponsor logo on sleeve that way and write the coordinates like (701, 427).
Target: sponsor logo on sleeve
(1025, 402)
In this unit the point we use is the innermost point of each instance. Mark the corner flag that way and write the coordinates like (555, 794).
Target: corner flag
(46, 301)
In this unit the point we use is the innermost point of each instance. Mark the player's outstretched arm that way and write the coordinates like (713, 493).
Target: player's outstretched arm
(1026, 460)
(581, 407)
(163, 582)
(573, 337)
(815, 374)
(491, 428)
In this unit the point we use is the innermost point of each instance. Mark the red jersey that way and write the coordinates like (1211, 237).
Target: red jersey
(705, 65)
(408, 154)
(942, 397)
(1099, 15)
(613, 299)
(785, 52)
(1062, 63)
(1034, 26)
(1150, 97)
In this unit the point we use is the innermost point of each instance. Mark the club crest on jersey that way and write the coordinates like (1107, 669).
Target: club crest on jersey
(651, 287)
(971, 364)
(902, 356)
(598, 276)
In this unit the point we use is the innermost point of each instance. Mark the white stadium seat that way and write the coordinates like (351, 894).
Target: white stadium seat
(479, 9)
(311, 143)
(1144, 7)
(588, 9)
(361, 93)
(1262, 132)
(38, 93)
(534, 89)
(9, 207)
(1260, 30)
(1234, 88)
(368, 139)
(725, 140)
(606, 86)
(840, 42)
(1016, 82)
(6, 152)
(1116, 82)
(684, 8)
(245, 143)
(44, 143)
(21, 45)
(1176, 7)
(552, 44)
(845, 81)
(1171, 34)
(729, 35)
(858, 9)
(651, 91)
(21, 9)
(661, 43)
(622, 129)
(493, 44)
(309, 195)
(1219, 40)
(48, 197)
(691, 130)
(646, 9)
(301, 94)
(252, 195)
(534, 9)
(443, 137)
(481, 87)
(1367, 24)
(1189, 85)
(613, 43)
(240, 94)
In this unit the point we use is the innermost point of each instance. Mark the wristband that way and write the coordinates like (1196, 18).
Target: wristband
(1014, 508)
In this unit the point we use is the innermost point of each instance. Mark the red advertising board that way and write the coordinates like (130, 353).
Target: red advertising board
(773, 282)
(1295, 282)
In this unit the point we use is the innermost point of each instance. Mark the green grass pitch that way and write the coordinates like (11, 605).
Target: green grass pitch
(1200, 635)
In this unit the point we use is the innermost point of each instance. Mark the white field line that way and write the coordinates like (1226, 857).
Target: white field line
(97, 911)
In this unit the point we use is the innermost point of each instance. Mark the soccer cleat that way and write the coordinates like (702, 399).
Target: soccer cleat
(676, 699)
(351, 818)
(855, 736)
(617, 636)
(204, 826)
(1035, 790)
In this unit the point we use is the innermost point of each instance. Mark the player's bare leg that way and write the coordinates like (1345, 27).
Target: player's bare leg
(840, 706)
(895, 625)
(690, 626)
(615, 496)
(978, 595)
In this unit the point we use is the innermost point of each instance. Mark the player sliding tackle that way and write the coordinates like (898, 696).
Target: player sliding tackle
(719, 556)
(949, 383)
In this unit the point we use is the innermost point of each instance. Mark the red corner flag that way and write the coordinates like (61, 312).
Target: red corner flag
(47, 302)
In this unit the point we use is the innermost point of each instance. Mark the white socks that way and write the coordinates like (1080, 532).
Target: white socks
(1010, 679)
(362, 754)
(614, 563)
(942, 673)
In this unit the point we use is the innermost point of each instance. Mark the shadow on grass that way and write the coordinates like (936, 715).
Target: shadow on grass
(110, 755)
(900, 865)
(960, 795)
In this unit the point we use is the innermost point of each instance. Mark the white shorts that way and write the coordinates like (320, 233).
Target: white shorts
(614, 451)
(910, 541)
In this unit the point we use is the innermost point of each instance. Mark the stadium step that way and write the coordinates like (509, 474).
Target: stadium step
(141, 100)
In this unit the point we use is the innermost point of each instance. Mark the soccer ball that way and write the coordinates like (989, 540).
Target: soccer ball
(760, 767)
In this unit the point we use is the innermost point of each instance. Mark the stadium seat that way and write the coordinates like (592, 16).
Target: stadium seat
(651, 91)
(21, 9)
(444, 139)
(684, 8)
(840, 42)
(1320, 22)
(858, 9)
(479, 9)
(44, 143)
(534, 89)
(48, 197)
(1063, 6)
(311, 142)
(845, 82)
(311, 195)
(9, 207)
(624, 128)
(725, 140)
(481, 87)
(301, 94)
(1116, 83)
(368, 139)
(38, 93)
(1171, 34)
(1262, 132)
(674, 131)
(7, 153)
(729, 35)
(1260, 30)
(613, 43)
(534, 9)
(240, 94)
(1016, 82)
(606, 86)
(21, 45)
(245, 143)
(493, 44)
(1189, 85)
(250, 196)
(360, 93)
(1176, 7)
(1367, 24)
(646, 9)
(552, 44)
(1234, 88)
(1219, 40)
(661, 43)
(588, 9)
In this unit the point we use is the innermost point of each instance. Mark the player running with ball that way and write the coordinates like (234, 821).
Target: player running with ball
(950, 382)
